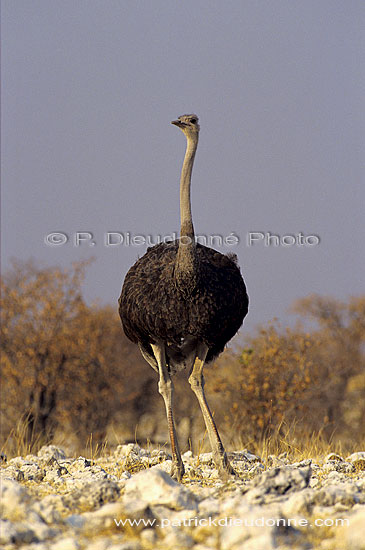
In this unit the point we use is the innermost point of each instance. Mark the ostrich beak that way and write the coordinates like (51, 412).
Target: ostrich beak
(178, 123)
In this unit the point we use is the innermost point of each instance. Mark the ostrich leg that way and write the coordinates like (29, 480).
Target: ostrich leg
(196, 380)
(166, 389)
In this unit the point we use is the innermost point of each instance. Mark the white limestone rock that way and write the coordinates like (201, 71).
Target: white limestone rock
(157, 487)
(14, 500)
(299, 503)
(265, 541)
(32, 472)
(177, 540)
(41, 530)
(354, 535)
(256, 468)
(76, 521)
(16, 533)
(99, 520)
(163, 466)
(304, 464)
(252, 529)
(205, 458)
(357, 459)
(333, 456)
(131, 453)
(346, 494)
(95, 494)
(127, 545)
(149, 537)
(235, 505)
(12, 473)
(154, 457)
(102, 543)
(66, 543)
(277, 482)
(338, 466)
(275, 461)
(55, 475)
(188, 455)
(49, 452)
(209, 507)
(51, 507)
(36, 546)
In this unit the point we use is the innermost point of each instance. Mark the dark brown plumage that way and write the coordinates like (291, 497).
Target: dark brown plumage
(153, 308)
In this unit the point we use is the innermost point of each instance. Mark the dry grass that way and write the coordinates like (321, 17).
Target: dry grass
(298, 447)
(284, 440)
(18, 442)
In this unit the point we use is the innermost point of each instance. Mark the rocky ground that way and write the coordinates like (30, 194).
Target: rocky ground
(128, 501)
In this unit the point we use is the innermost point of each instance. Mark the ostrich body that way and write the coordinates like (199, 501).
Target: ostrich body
(181, 303)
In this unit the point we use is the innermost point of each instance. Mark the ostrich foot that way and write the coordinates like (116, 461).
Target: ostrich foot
(224, 467)
(177, 471)
(225, 472)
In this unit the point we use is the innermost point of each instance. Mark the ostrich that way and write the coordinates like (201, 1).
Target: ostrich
(181, 303)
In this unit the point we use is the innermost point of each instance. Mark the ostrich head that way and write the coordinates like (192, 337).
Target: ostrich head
(189, 124)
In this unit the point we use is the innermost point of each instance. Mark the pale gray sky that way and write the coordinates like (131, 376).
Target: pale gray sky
(89, 90)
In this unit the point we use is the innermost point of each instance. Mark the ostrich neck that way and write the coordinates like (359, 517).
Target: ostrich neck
(186, 219)
(186, 263)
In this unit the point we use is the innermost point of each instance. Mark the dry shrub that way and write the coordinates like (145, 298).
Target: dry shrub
(314, 378)
(65, 365)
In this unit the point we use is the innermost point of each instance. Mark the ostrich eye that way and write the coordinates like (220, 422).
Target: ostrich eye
(193, 120)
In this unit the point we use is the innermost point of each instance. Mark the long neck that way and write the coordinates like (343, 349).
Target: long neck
(186, 220)
(186, 262)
